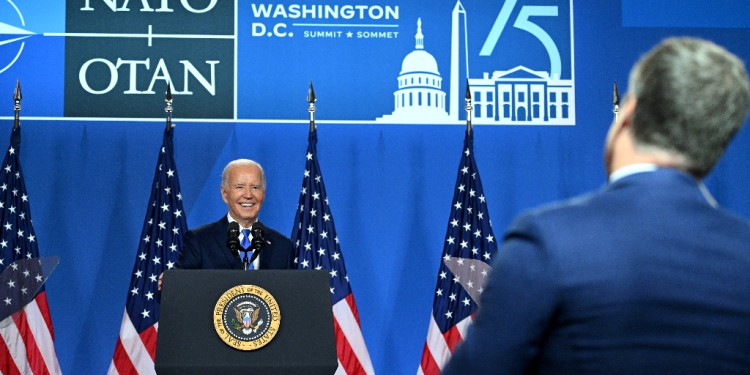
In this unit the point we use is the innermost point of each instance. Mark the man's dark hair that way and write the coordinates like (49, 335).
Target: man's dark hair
(691, 98)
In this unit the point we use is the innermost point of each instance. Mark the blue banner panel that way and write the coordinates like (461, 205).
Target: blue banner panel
(686, 13)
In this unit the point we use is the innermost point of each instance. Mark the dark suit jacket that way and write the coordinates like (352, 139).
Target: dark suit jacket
(644, 277)
(205, 247)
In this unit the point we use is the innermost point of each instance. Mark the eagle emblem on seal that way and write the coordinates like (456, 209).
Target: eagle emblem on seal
(247, 317)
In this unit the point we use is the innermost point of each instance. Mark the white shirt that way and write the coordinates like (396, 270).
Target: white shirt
(630, 170)
(256, 262)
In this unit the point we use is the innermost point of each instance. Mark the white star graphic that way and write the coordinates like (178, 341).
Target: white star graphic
(134, 291)
(336, 256)
(145, 313)
(451, 240)
(449, 314)
(165, 207)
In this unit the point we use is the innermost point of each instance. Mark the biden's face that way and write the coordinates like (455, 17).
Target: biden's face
(244, 194)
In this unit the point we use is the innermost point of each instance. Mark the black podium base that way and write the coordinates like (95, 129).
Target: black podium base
(188, 343)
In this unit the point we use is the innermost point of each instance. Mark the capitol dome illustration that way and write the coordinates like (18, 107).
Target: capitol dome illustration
(419, 98)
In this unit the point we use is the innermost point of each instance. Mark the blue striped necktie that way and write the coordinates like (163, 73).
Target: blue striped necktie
(245, 243)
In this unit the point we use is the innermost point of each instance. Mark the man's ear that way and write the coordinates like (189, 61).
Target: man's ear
(627, 112)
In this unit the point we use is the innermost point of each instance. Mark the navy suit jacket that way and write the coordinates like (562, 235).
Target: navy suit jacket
(205, 247)
(644, 277)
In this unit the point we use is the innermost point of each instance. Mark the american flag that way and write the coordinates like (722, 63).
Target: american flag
(317, 247)
(158, 248)
(469, 248)
(27, 345)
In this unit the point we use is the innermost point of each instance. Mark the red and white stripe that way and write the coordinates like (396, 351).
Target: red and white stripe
(350, 345)
(134, 353)
(439, 346)
(27, 346)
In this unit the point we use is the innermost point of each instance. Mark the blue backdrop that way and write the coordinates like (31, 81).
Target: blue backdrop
(390, 186)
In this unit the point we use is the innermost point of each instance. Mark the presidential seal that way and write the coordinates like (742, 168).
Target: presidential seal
(247, 317)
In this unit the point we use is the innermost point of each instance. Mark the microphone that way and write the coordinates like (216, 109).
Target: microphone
(233, 239)
(258, 242)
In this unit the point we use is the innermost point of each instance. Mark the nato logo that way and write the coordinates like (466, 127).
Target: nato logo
(12, 42)
(523, 74)
(120, 56)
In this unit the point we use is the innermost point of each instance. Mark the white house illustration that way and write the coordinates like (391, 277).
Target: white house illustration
(519, 96)
(419, 98)
(522, 96)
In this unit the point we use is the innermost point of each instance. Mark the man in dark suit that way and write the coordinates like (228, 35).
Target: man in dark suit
(243, 188)
(647, 276)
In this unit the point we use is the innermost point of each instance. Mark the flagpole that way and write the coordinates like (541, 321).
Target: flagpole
(169, 108)
(311, 106)
(616, 102)
(17, 107)
(468, 107)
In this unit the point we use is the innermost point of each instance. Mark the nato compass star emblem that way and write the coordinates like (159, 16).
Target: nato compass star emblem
(12, 36)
